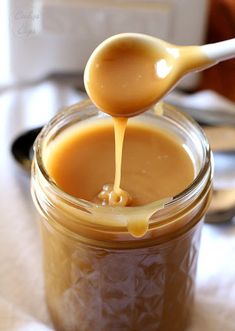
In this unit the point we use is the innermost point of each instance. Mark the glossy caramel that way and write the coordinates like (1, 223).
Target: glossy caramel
(155, 164)
(128, 73)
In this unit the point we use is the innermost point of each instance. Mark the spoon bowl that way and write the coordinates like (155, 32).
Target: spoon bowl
(130, 72)
(125, 71)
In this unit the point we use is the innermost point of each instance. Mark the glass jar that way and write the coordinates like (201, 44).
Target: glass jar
(97, 275)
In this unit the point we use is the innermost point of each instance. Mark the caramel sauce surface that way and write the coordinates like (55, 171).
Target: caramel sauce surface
(155, 164)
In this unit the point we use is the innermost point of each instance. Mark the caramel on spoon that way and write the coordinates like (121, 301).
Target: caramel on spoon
(129, 72)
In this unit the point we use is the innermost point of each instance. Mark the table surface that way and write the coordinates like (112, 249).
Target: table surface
(22, 304)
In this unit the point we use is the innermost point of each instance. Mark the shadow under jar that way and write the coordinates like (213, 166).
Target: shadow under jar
(97, 275)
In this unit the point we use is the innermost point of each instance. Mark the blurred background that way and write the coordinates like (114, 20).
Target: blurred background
(44, 46)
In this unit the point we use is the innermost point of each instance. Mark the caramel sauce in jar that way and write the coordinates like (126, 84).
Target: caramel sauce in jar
(100, 273)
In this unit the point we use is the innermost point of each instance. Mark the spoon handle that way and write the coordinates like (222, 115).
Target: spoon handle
(220, 51)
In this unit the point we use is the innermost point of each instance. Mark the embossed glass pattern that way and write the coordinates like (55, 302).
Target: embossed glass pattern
(92, 288)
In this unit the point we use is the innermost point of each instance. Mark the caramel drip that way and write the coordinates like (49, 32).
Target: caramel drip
(113, 195)
(119, 132)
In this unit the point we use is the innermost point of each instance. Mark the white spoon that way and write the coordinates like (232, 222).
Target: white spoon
(129, 72)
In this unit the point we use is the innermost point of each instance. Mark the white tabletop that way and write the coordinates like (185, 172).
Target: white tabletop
(22, 305)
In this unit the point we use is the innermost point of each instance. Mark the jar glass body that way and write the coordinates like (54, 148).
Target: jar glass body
(98, 276)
